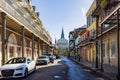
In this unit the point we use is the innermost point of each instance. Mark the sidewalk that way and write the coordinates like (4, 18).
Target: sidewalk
(109, 71)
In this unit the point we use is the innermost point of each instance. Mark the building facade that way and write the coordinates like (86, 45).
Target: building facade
(91, 28)
(107, 17)
(75, 39)
(99, 43)
(21, 31)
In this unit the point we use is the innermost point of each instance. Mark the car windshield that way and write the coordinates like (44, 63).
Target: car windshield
(42, 57)
(47, 54)
(16, 60)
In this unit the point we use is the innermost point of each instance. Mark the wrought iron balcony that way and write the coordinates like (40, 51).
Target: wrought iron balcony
(26, 6)
(108, 9)
(102, 3)
(71, 39)
(92, 37)
(16, 11)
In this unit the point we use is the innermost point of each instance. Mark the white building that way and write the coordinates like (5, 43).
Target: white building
(62, 42)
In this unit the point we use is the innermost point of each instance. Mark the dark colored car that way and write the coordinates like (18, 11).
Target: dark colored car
(57, 56)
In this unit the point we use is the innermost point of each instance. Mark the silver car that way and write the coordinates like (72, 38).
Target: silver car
(42, 59)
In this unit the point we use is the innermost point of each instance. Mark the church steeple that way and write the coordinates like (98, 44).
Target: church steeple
(62, 34)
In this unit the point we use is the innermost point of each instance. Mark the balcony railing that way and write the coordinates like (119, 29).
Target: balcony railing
(98, 2)
(92, 37)
(106, 13)
(26, 5)
(106, 29)
(18, 13)
(72, 39)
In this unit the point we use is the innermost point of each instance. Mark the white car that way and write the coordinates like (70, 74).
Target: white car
(17, 67)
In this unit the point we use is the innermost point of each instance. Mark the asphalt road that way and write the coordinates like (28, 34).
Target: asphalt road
(55, 71)
(51, 71)
(63, 69)
(77, 72)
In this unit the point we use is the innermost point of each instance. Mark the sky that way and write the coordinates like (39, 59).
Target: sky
(58, 14)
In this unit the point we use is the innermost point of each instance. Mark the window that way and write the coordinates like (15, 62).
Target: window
(108, 48)
(11, 40)
(103, 49)
(11, 52)
(113, 48)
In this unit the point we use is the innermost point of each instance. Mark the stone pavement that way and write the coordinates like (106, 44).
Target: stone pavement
(109, 71)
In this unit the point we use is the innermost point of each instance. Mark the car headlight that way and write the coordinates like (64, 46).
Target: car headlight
(19, 69)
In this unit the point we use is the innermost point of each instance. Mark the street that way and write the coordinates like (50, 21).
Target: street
(77, 72)
(62, 69)
(51, 71)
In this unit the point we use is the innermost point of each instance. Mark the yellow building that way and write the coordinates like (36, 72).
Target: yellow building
(21, 31)
(91, 28)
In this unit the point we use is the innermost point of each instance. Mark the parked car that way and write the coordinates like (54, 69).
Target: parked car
(50, 57)
(47, 54)
(42, 59)
(57, 56)
(17, 67)
(54, 57)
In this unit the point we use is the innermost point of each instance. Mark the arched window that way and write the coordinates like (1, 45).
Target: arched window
(12, 39)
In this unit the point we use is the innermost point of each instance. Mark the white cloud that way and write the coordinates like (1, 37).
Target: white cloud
(83, 12)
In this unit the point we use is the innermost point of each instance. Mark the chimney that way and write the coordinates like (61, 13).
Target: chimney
(37, 14)
(33, 8)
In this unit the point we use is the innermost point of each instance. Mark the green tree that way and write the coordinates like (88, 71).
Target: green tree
(66, 52)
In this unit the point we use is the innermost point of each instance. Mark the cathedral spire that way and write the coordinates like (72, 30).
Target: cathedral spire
(62, 34)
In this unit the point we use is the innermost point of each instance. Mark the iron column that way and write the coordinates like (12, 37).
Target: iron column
(96, 65)
(32, 46)
(102, 49)
(118, 24)
(38, 47)
(3, 37)
(22, 41)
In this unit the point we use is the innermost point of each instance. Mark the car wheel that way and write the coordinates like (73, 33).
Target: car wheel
(26, 72)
